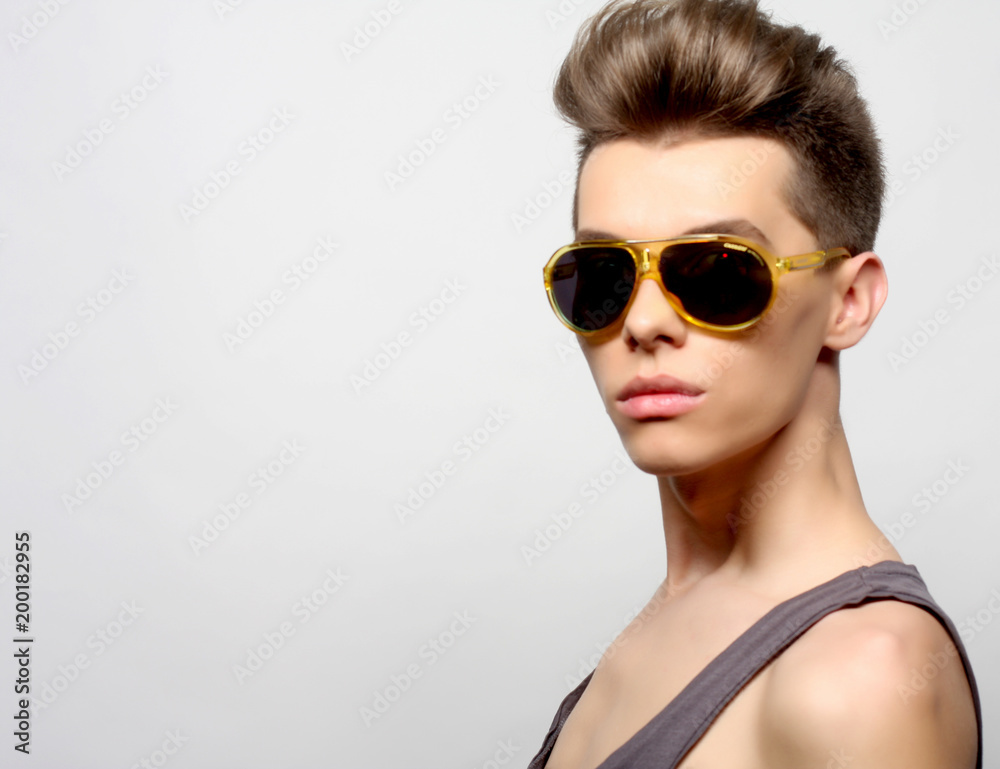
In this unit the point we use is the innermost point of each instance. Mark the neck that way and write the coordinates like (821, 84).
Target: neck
(783, 514)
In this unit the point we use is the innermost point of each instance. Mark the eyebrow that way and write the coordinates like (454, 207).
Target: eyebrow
(741, 227)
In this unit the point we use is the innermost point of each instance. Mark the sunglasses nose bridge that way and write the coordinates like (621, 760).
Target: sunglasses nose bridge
(649, 267)
(646, 269)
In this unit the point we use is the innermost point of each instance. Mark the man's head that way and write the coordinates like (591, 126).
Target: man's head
(672, 99)
(667, 72)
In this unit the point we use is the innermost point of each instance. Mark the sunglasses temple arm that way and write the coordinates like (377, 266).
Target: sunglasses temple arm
(805, 261)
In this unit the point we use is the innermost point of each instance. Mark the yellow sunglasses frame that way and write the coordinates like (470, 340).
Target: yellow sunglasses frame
(648, 266)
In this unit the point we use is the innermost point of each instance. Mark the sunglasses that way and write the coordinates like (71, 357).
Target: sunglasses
(718, 282)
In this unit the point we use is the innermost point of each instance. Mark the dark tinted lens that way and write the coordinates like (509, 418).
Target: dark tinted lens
(716, 284)
(592, 285)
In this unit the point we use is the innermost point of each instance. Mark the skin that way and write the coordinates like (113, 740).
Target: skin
(770, 395)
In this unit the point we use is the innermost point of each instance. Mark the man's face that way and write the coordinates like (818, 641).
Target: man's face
(752, 382)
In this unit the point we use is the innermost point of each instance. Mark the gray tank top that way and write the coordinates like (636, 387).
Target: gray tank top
(664, 741)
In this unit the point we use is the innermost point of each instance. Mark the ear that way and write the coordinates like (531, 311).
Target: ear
(860, 289)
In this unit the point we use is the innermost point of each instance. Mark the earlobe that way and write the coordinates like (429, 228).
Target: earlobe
(861, 287)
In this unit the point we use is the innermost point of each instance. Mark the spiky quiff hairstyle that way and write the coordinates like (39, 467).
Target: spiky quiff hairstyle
(670, 70)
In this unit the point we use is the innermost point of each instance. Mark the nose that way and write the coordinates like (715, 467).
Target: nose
(651, 318)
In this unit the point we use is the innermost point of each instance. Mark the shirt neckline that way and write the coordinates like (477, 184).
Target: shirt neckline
(644, 731)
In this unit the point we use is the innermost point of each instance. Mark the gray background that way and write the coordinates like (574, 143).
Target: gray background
(496, 346)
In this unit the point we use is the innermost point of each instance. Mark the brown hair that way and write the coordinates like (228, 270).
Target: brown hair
(656, 69)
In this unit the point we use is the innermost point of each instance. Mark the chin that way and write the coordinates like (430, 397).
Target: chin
(672, 453)
(665, 461)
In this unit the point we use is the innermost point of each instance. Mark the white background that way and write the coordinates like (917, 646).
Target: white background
(192, 279)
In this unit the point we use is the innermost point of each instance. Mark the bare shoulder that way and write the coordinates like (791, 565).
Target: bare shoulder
(880, 685)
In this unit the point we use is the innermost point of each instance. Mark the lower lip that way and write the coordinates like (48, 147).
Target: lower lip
(659, 405)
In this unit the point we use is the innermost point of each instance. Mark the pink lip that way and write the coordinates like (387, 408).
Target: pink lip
(658, 397)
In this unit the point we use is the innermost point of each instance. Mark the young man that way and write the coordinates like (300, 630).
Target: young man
(732, 161)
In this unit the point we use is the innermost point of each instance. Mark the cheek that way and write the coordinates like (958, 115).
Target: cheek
(796, 323)
(784, 347)
(597, 362)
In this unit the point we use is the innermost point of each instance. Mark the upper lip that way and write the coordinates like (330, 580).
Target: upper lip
(662, 383)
